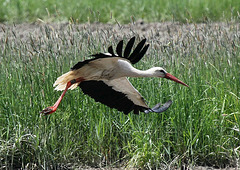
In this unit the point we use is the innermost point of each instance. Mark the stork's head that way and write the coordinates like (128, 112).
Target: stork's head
(160, 72)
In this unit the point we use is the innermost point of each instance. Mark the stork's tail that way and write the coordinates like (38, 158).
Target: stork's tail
(62, 81)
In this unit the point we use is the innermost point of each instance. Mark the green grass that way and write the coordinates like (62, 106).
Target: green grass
(200, 128)
(123, 11)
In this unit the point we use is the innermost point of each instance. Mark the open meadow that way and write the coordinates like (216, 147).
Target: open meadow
(196, 41)
(200, 128)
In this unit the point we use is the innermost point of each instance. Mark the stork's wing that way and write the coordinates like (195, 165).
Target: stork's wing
(133, 57)
(119, 94)
(124, 86)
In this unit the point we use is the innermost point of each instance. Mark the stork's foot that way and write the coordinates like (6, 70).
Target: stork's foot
(48, 110)
(158, 108)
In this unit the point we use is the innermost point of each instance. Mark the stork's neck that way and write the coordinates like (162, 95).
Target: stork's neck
(141, 73)
(129, 71)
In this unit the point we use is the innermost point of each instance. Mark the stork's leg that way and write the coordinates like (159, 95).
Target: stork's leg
(51, 109)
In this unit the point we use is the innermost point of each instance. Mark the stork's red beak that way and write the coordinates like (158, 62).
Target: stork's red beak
(171, 77)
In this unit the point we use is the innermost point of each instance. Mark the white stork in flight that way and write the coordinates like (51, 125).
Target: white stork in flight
(104, 78)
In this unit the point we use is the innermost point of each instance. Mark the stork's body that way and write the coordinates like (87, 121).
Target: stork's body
(104, 78)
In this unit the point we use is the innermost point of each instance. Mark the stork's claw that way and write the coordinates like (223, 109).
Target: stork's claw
(158, 108)
(48, 110)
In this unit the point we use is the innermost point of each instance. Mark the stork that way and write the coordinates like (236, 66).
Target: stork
(104, 78)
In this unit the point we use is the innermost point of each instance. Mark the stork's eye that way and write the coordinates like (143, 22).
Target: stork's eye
(162, 71)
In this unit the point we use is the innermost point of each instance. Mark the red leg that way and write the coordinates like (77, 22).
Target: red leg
(51, 109)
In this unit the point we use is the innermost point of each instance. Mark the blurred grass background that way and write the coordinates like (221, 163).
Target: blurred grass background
(123, 11)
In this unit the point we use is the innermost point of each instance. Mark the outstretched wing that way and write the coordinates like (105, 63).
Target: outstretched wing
(119, 94)
(132, 55)
(136, 55)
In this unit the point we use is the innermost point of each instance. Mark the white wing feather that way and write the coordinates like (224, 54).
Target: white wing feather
(123, 85)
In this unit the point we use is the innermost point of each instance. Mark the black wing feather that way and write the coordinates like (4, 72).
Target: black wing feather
(136, 55)
(140, 55)
(104, 94)
(81, 64)
(128, 47)
(110, 50)
(137, 50)
(119, 48)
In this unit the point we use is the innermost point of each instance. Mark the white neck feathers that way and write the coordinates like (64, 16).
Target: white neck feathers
(129, 71)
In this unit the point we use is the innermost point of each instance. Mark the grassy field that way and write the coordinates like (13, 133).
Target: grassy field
(200, 128)
(123, 11)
